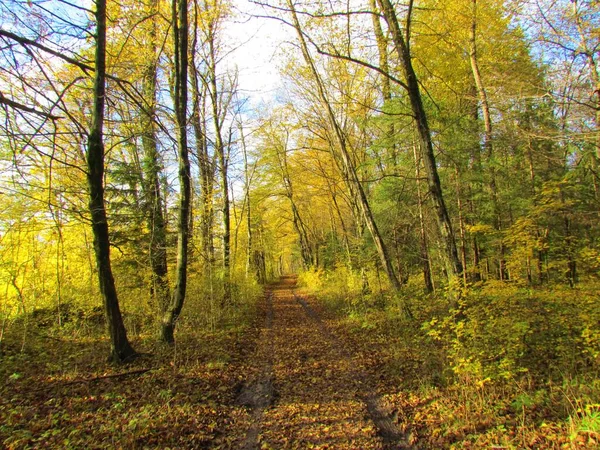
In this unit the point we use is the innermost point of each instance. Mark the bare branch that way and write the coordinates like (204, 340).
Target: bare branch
(21, 107)
(24, 41)
(359, 62)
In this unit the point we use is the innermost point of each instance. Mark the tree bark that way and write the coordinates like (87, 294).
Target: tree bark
(180, 37)
(386, 89)
(425, 261)
(247, 182)
(153, 204)
(488, 146)
(461, 226)
(121, 349)
(222, 153)
(206, 166)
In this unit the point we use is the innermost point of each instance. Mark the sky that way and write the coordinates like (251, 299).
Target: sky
(257, 43)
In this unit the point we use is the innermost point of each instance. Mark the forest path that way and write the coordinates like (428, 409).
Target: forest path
(310, 391)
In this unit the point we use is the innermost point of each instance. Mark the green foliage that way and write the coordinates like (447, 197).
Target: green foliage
(586, 421)
(512, 366)
(205, 309)
(343, 289)
(501, 331)
(523, 203)
(82, 319)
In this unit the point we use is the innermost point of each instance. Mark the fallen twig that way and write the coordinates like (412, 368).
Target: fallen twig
(113, 375)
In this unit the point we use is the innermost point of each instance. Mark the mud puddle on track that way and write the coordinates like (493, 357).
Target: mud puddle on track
(310, 392)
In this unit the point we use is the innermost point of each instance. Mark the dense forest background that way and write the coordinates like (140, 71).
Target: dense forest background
(428, 168)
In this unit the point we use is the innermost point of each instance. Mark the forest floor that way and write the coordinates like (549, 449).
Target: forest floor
(287, 381)
(310, 390)
(295, 376)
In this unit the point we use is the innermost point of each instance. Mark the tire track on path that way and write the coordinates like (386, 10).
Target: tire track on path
(392, 436)
(258, 394)
(310, 392)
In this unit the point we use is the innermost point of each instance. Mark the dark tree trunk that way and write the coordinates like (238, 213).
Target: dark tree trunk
(223, 166)
(121, 349)
(412, 87)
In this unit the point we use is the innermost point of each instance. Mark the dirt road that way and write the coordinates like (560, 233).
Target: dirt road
(309, 390)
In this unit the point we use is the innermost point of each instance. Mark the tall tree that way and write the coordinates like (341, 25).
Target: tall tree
(153, 202)
(221, 97)
(121, 349)
(248, 175)
(567, 31)
(281, 149)
(488, 145)
(401, 41)
(206, 165)
(424, 248)
(349, 168)
(179, 17)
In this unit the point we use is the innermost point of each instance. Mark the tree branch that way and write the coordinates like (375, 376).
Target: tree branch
(16, 105)
(24, 41)
(361, 63)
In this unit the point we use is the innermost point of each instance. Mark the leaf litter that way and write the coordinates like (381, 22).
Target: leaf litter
(287, 380)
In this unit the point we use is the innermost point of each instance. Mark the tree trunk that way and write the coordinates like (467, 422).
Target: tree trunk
(299, 226)
(425, 262)
(206, 166)
(247, 181)
(386, 89)
(412, 87)
(153, 204)
(206, 169)
(461, 226)
(223, 164)
(180, 37)
(223, 157)
(488, 146)
(121, 349)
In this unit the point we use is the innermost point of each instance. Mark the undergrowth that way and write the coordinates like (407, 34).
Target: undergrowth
(58, 391)
(76, 319)
(511, 367)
